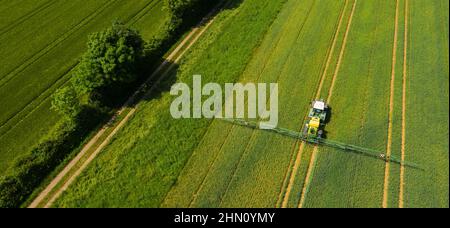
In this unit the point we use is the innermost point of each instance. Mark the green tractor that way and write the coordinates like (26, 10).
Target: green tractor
(316, 120)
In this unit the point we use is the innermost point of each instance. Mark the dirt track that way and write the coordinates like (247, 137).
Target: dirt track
(169, 62)
(405, 65)
(391, 110)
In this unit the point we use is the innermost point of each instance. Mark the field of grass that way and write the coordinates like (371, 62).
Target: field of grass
(352, 181)
(253, 163)
(242, 171)
(341, 50)
(35, 64)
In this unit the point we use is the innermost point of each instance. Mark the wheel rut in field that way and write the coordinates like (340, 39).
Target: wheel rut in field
(391, 109)
(7, 77)
(405, 72)
(26, 17)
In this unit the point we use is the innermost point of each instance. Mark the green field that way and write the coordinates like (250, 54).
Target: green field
(152, 138)
(36, 63)
(361, 55)
(428, 106)
(230, 166)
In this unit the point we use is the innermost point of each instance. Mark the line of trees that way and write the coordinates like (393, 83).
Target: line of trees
(109, 70)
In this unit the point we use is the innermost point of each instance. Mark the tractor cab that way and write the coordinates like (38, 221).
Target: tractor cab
(318, 109)
(316, 120)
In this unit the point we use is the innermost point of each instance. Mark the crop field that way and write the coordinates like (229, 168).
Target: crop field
(382, 66)
(34, 63)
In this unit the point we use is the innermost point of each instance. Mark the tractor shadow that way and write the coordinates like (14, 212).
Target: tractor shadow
(327, 120)
(329, 115)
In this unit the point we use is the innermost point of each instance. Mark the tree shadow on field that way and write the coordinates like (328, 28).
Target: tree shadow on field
(155, 83)
(225, 5)
(162, 81)
(232, 5)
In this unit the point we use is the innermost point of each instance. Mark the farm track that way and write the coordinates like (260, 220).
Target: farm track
(313, 160)
(25, 64)
(404, 100)
(24, 18)
(391, 109)
(299, 155)
(46, 93)
(195, 34)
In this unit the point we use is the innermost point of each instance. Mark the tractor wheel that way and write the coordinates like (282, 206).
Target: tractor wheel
(320, 134)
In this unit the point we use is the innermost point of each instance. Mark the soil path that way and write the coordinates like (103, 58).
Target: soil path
(405, 65)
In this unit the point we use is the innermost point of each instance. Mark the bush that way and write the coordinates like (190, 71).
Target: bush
(29, 171)
(182, 15)
(185, 11)
(66, 102)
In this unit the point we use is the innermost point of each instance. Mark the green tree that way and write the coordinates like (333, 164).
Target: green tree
(66, 102)
(112, 58)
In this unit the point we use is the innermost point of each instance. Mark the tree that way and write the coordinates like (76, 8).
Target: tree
(112, 58)
(180, 10)
(66, 102)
